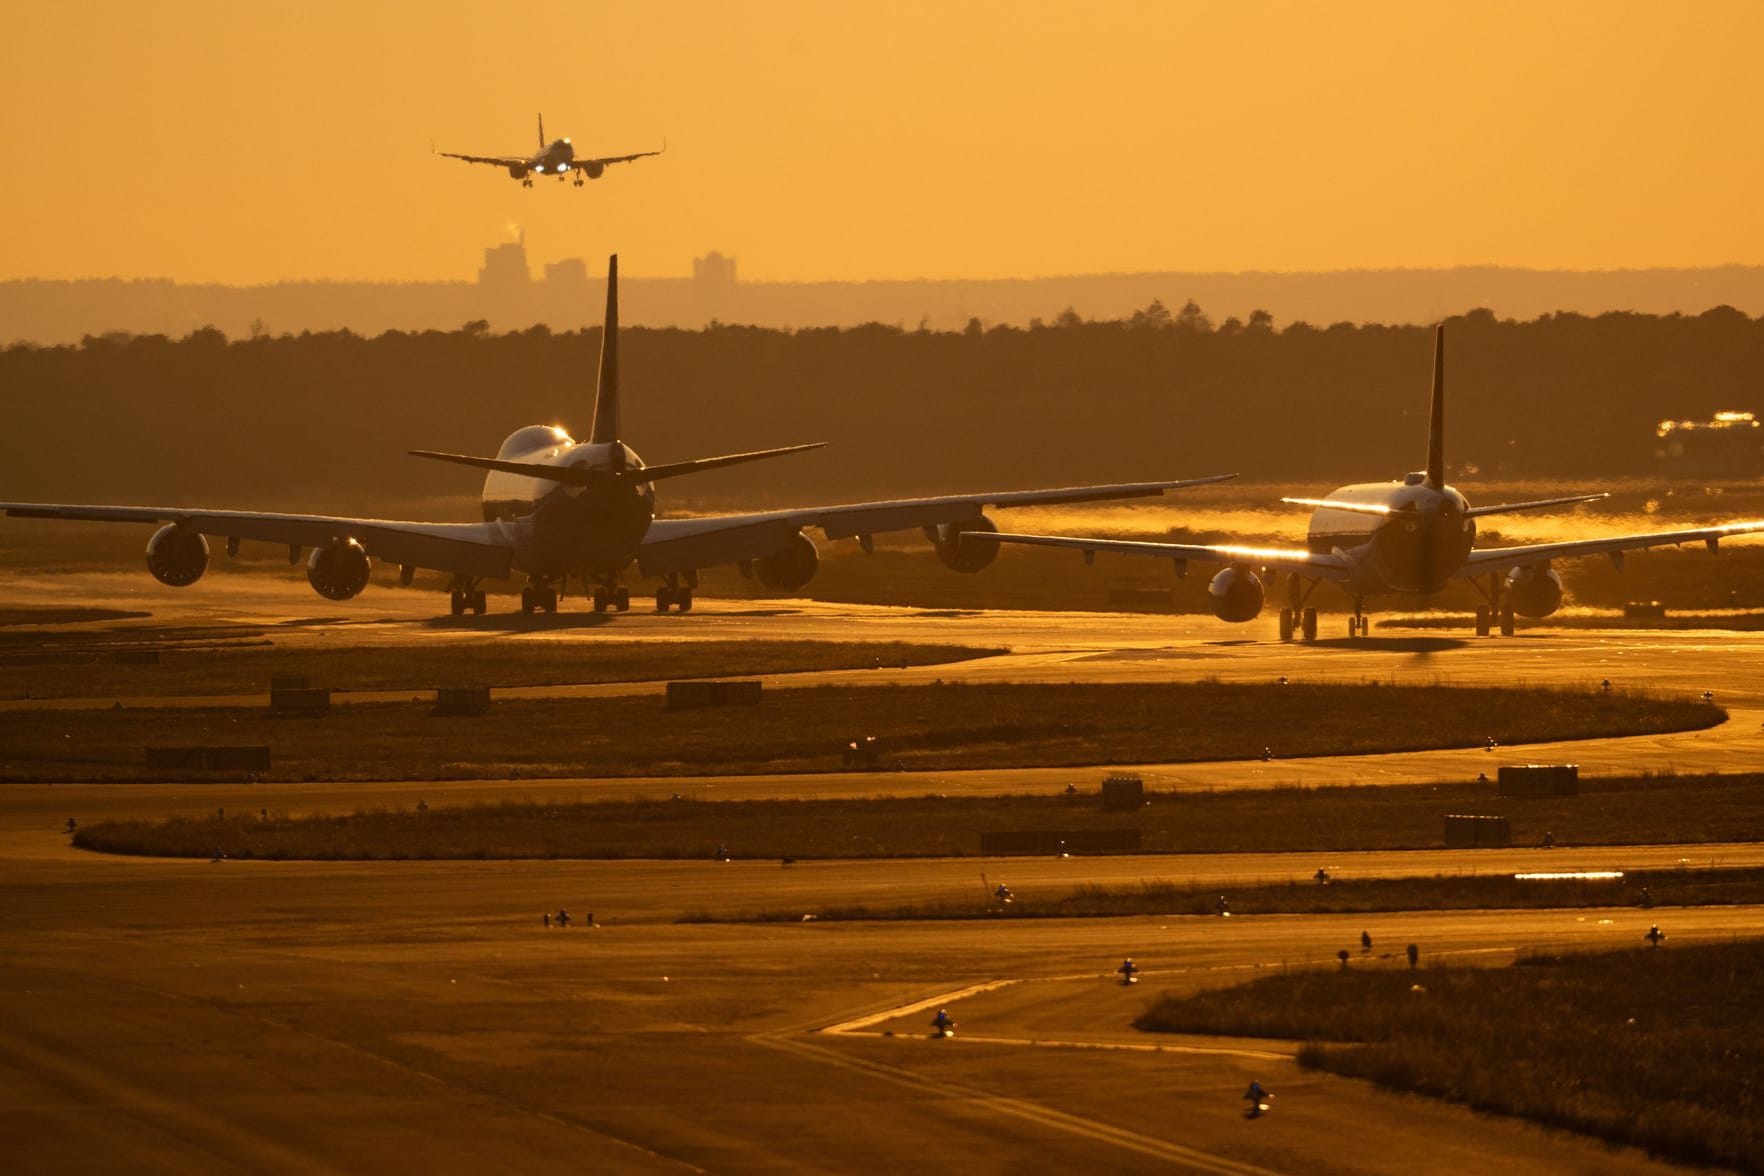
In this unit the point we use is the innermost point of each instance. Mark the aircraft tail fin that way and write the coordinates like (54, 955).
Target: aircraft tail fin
(542, 132)
(1436, 473)
(606, 393)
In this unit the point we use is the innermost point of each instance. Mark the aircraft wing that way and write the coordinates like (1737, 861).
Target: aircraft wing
(677, 545)
(603, 160)
(1284, 559)
(475, 549)
(1496, 559)
(496, 160)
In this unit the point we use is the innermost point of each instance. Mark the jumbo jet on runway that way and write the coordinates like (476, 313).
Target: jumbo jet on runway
(1392, 538)
(555, 508)
(557, 158)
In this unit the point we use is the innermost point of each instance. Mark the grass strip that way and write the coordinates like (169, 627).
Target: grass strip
(922, 728)
(1638, 810)
(85, 667)
(1442, 892)
(1656, 1048)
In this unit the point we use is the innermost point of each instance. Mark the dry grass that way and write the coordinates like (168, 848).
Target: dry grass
(938, 727)
(1657, 1048)
(233, 661)
(1650, 809)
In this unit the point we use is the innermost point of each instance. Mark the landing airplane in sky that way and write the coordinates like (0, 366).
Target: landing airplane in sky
(556, 509)
(557, 158)
(1410, 537)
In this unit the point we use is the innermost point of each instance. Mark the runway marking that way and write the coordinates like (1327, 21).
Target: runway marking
(1020, 1109)
(937, 1001)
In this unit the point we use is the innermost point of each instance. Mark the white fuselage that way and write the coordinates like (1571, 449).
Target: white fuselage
(1412, 538)
(593, 528)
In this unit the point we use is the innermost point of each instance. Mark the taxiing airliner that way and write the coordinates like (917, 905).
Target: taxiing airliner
(556, 158)
(1410, 537)
(558, 509)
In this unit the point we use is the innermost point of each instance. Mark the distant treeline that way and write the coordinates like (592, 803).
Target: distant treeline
(327, 417)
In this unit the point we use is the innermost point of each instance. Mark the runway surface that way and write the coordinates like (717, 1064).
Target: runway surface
(312, 1017)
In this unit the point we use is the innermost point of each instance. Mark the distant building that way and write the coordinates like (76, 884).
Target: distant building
(713, 271)
(1730, 444)
(571, 272)
(506, 265)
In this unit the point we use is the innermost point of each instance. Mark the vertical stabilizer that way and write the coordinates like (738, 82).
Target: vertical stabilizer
(542, 132)
(606, 394)
(1436, 473)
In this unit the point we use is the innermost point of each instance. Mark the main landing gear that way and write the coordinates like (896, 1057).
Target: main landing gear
(539, 596)
(1297, 618)
(1495, 612)
(1299, 622)
(617, 598)
(465, 594)
(675, 593)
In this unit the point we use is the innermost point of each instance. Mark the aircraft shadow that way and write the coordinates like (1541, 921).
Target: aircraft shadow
(1391, 644)
(515, 622)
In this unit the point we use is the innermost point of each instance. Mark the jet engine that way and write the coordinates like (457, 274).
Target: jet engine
(1534, 591)
(338, 572)
(790, 567)
(177, 557)
(593, 170)
(517, 171)
(960, 545)
(1236, 595)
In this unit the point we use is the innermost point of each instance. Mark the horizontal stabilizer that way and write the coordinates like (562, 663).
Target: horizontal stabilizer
(581, 475)
(573, 475)
(675, 469)
(1541, 504)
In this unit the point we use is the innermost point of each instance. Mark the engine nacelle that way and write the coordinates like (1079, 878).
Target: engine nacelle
(1236, 595)
(790, 567)
(1534, 591)
(517, 171)
(962, 546)
(593, 170)
(176, 557)
(340, 571)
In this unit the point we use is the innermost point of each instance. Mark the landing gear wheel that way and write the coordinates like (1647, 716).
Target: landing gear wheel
(548, 599)
(456, 602)
(602, 598)
(1481, 622)
(1286, 624)
(1507, 621)
(526, 600)
(621, 599)
(1359, 627)
(664, 596)
(683, 600)
(1308, 624)
(478, 604)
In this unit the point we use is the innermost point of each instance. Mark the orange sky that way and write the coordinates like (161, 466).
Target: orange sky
(249, 142)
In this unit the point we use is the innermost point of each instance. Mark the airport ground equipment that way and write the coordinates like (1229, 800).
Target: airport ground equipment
(1123, 792)
(1477, 832)
(1539, 780)
(690, 694)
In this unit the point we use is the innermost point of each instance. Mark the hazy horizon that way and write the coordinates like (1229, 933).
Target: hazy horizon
(209, 143)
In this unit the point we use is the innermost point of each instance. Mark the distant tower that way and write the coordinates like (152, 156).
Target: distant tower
(713, 272)
(506, 265)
